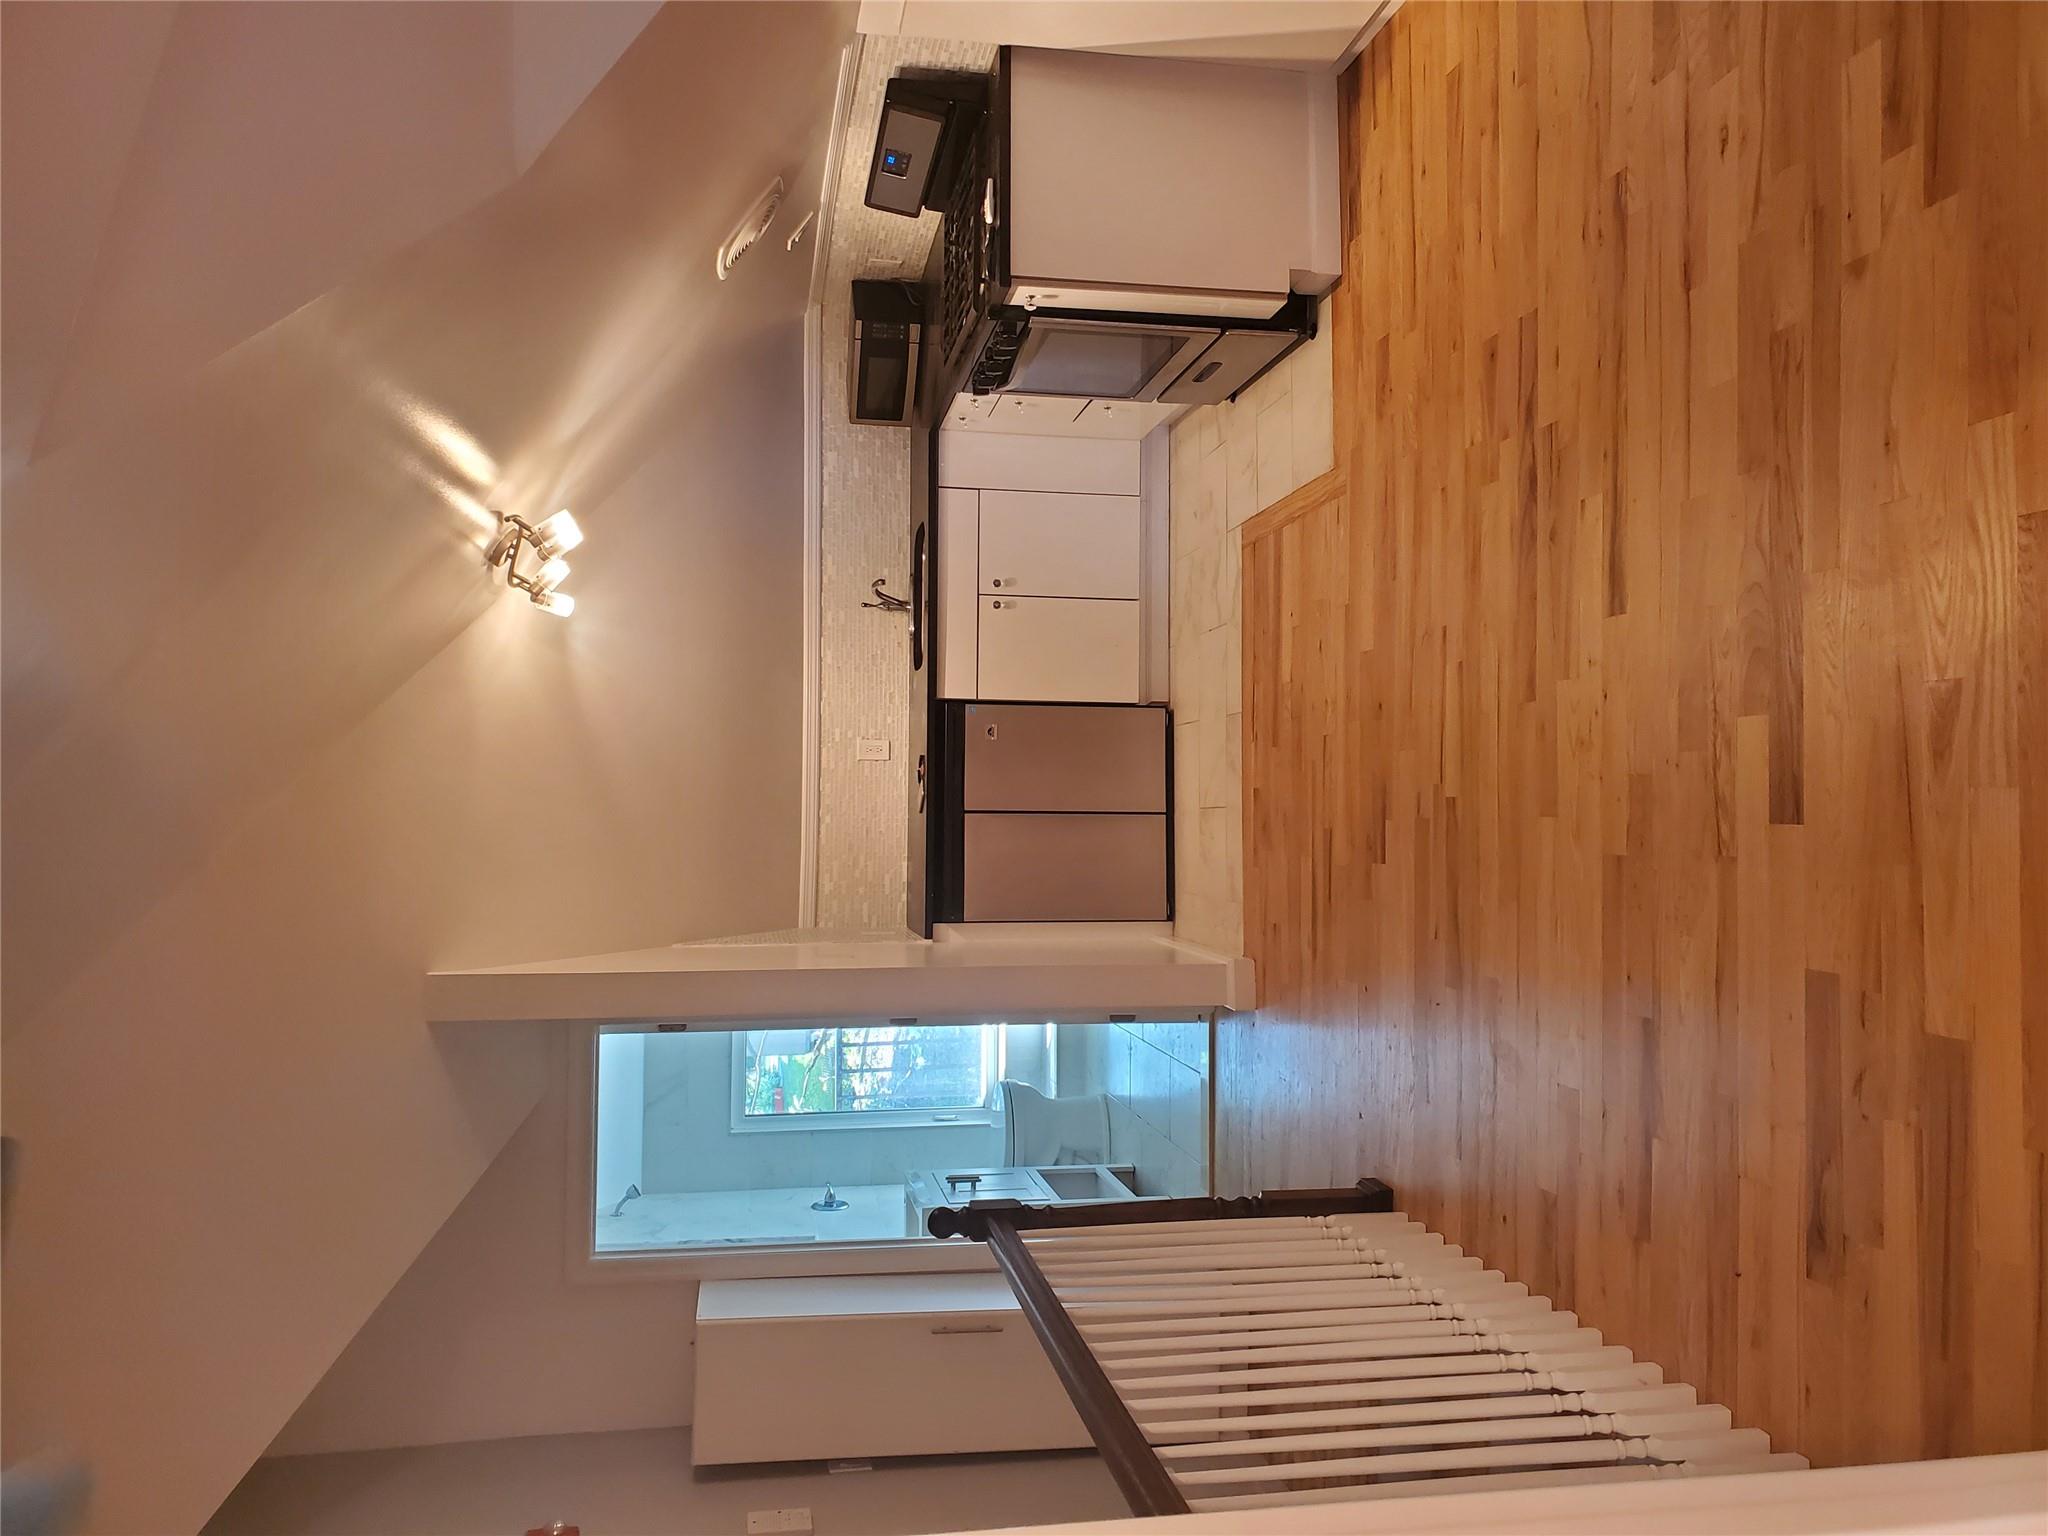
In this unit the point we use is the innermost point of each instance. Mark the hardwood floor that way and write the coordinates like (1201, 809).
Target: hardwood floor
(1646, 721)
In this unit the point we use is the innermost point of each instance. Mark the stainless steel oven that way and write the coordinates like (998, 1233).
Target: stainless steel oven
(1088, 356)
(1104, 359)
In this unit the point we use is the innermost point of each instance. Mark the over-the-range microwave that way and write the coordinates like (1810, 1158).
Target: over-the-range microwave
(1177, 359)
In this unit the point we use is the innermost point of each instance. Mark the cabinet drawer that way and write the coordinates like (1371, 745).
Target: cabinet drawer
(1060, 649)
(814, 1388)
(1063, 757)
(1029, 868)
(1052, 544)
(1012, 461)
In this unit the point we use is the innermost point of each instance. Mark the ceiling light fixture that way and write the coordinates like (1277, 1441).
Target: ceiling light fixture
(539, 551)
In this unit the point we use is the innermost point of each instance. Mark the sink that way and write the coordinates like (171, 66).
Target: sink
(1084, 1183)
(1068, 1184)
(991, 1184)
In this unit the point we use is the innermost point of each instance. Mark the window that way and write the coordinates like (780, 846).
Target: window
(867, 1074)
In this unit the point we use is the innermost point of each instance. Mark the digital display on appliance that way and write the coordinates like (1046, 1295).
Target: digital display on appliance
(895, 163)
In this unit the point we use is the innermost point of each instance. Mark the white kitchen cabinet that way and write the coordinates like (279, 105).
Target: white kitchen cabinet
(1053, 544)
(1077, 649)
(1049, 564)
(1004, 461)
(958, 585)
(889, 1365)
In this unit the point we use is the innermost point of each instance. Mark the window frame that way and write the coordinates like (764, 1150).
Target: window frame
(993, 1049)
(584, 1264)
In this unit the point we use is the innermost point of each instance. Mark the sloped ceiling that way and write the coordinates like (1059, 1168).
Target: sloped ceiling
(74, 85)
(185, 175)
(274, 746)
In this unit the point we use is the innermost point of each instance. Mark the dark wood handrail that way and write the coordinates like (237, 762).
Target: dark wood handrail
(971, 1220)
(1139, 1474)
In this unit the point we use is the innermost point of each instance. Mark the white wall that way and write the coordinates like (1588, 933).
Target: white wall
(560, 49)
(486, 1335)
(250, 119)
(326, 136)
(275, 747)
(1157, 1079)
(622, 1102)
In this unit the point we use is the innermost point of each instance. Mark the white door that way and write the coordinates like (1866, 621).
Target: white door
(1058, 544)
(1060, 649)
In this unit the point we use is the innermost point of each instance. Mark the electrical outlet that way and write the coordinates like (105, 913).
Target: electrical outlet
(871, 749)
(760, 1522)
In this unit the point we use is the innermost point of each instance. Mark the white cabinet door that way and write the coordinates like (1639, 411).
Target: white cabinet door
(1049, 544)
(1078, 650)
(957, 605)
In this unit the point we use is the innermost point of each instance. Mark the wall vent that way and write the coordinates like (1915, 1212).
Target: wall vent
(751, 228)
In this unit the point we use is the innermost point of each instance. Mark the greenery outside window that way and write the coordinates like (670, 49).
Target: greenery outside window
(865, 1076)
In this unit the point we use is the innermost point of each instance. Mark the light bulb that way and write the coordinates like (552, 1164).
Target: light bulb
(558, 535)
(551, 575)
(560, 604)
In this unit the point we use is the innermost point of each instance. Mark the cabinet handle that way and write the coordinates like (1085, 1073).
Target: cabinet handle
(996, 581)
(946, 1328)
(995, 602)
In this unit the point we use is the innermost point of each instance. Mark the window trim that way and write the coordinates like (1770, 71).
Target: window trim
(979, 1116)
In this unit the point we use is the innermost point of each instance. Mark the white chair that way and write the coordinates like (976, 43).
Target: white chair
(1041, 1132)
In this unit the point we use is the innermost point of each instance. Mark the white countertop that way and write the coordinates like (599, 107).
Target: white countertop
(853, 1296)
(1035, 975)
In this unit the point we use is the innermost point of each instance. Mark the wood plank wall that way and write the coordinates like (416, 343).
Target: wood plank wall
(1647, 720)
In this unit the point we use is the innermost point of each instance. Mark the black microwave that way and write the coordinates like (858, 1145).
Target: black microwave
(881, 383)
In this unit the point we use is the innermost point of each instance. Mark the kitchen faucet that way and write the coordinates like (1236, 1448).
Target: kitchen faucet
(888, 602)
